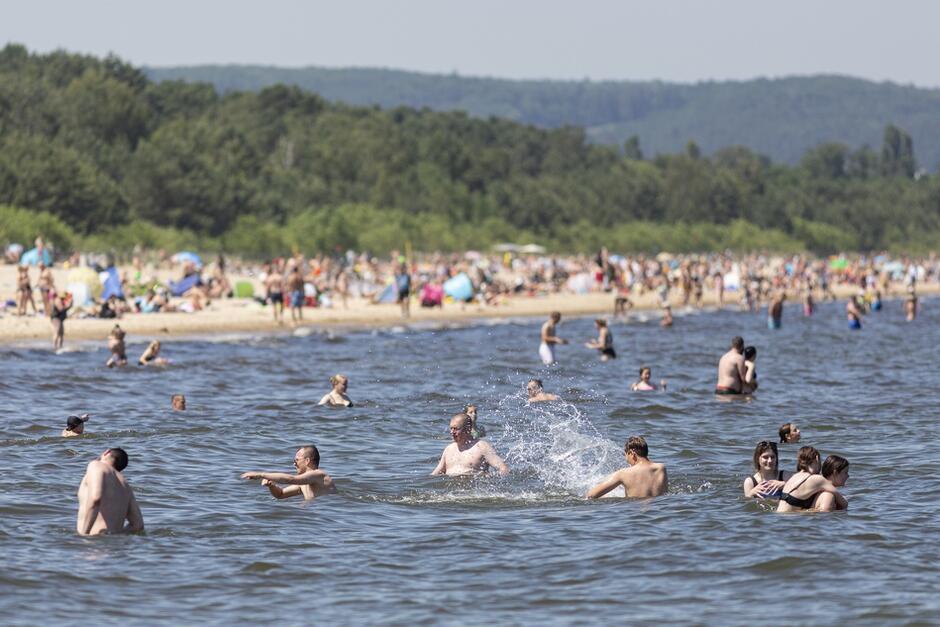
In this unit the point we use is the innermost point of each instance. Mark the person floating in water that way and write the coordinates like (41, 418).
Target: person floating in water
(775, 310)
(644, 385)
(75, 426)
(768, 480)
(803, 489)
(789, 433)
(536, 394)
(549, 339)
(151, 355)
(337, 397)
(477, 430)
(604, 342)
(117, 347)
(178, 402)
(467, 455)
(643, 478)
(105, 499)
(750, 371)
(309, 481)
(732, 369)
(853, 311)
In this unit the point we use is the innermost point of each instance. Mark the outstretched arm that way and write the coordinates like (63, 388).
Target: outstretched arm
(281, 493)
(606, 486)
(307, 478)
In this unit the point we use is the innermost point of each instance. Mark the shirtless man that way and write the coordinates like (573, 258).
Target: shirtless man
(775, 310)
(536, 394)
(178, 402)
(295, 288)
(105, 500)
(309, 481)
(467, 455)
(74, 426)
(274, 286)
(549, 339)
(731, 369)
(642, 479)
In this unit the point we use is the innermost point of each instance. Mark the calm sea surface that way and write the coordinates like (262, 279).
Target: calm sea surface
(398, 546)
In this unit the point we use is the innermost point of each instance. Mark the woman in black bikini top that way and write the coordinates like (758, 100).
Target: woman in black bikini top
(768, 473)
(807, 462)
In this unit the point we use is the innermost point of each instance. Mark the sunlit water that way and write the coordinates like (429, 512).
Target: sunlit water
(398, 546)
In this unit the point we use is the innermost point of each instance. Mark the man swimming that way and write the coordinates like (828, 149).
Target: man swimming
(309, 481)
(105, 500)
(467, 455)
(549, 339)
(75, 426)
(642, 479)
(178, 402)
(536, 394)
(731, 369)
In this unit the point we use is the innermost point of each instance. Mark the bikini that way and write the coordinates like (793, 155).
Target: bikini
(806, 503)
(770, 495)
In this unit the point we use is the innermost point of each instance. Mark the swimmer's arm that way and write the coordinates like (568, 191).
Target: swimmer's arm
(827, 486)
(93, 485)
(441, 468)
(606, 486)
(282, 493)
(494, 460)
(325, 400)
(135, 519)
(306, 478)
(742, 369)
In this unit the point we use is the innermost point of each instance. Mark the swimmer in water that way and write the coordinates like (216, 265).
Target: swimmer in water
(310, 481)
(667, 316)
(105, 499)
(75, 426)
(477, 430)
(178, 402)
(789, 433)
(750, 371)
(836, 470)
(549, 339)
(151, 355)
(536, 394)
(117, 347)
(853, 311)
(910, 304)
(337, 396)
(801, 491)
(775, 310)
(732, 369)
(642, 479)
(768, 479)
(644, 385)
(467, 455)
(604, 342)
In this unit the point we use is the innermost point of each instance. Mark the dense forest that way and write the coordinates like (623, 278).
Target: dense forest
(780, 118)
(94, 154)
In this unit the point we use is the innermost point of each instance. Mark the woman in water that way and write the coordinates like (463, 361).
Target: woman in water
(604, 342)
(337, 396)
(57, 315)
(151, 356)
(476, 430)
(801, 491)
(853, 311)
(768, 479)
(789, 433)
(749, 385)
(836, 470)
(117, 348)
(644, 385)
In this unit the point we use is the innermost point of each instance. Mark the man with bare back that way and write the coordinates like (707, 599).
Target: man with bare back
(731, 369)
(105, 500)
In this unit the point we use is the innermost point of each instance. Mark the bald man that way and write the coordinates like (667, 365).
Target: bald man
(467, 455)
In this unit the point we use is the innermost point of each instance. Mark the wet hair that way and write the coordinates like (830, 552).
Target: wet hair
(762, 447)
(638, 445)
(642, 368)
(337, 378)
(833, 465)
(750, 352)
(532, 384)
(784, 432)
(120, 458)
(313, 453)
(805, 458)
(737, 343)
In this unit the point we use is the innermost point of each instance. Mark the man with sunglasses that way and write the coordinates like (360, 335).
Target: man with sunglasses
(105, 500)
(467, 455)
(309, 481)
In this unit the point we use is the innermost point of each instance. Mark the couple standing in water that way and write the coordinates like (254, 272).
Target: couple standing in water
(737, 371)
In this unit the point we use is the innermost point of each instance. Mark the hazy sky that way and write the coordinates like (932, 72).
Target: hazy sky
(672, 40)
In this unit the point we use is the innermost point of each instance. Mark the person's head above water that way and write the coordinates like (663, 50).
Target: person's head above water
(555, 316)
(178, 401)
(807, 460)
(460, 428)
(307, 458)
(836, 470)
(339, 382)
(789, 433)
(76, 424)
(737, 343)
(635, 449)
(116, 457)
(533, 387)
(645, 373)
(750, 353)
(600, 323)
(765, 456)
(471, 410)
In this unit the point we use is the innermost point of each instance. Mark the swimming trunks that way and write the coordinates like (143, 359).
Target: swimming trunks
(276, 297)
(723, 391)
(609, 352)
(547, 353)
(855, 323)
(773, 323)
(296, 298)
(806, 503)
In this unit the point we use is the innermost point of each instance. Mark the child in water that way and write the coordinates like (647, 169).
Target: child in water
(117, 348)
(337, 396)
(476, 430)
(644, 385)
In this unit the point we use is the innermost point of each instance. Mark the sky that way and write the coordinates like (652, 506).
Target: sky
(670, 40)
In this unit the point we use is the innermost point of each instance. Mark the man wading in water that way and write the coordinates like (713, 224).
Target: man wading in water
(309, 481)
(731, 369)
(642, 479)
(105, 500)
(467, 455)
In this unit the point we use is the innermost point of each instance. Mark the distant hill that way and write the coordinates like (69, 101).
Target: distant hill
(780, 118)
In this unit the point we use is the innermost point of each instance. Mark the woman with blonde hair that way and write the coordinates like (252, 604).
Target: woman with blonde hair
(337, 396)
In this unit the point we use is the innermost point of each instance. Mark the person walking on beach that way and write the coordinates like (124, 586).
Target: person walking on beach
(46, 287)
(309, 481)
(295, 289)
(403, 286)
(643, 478)
(274, 288)
(60, 311)
(467, 455)
(549, 339)
(732, 369)
(105, 499)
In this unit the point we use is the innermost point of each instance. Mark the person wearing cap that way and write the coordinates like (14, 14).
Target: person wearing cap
(105, 499)
(75, 425)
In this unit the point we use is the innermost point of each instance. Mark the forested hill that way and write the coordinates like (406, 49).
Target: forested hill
(780, 118)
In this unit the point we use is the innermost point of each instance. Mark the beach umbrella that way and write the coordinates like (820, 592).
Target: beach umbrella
(32, 257)
(187, 257)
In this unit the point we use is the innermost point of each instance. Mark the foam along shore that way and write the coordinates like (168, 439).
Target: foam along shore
(246, 315)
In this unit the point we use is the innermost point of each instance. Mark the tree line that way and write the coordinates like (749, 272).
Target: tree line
(115, 159)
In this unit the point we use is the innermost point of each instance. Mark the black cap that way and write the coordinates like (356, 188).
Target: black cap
(74, 421)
